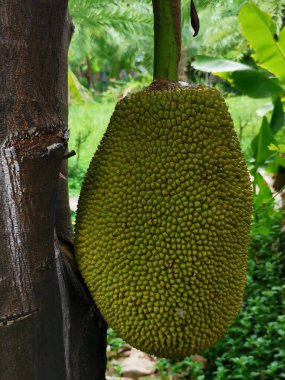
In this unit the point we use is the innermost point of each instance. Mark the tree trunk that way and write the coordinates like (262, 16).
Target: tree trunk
(49, 327)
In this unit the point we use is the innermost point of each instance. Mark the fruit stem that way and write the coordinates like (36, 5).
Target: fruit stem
(167, 38)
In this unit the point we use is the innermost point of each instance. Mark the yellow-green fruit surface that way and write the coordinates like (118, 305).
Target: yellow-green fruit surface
(163, 221)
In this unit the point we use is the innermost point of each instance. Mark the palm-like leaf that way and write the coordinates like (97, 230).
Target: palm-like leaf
(110, 33)
(122, 16)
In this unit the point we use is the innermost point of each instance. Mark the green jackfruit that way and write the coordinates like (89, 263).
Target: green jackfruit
(163, 220)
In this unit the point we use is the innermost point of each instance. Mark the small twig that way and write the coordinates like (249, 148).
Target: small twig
(69, 154)
(61, 176)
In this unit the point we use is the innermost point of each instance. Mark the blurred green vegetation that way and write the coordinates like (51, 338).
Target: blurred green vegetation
(115, 39)
(87, 123)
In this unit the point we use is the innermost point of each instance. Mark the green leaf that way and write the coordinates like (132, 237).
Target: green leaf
(280, 161)
(273, 147)
(264, 143)
(260, 30)
(264, 194)
(280, 148)
(277, 118)
(247, 80)
(262, 230)
(274, 165)
(256, 84)
(261, 142)
(218, 65)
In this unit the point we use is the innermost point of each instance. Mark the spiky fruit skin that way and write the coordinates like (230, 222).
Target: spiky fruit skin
(163, 221)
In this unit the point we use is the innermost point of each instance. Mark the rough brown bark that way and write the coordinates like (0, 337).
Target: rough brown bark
(49, 328)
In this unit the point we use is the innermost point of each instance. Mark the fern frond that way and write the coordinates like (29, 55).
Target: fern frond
(122, 16)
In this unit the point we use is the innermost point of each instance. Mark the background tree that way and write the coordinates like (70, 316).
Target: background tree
(112, 37)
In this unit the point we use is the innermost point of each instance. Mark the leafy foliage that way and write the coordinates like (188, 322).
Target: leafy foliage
(111, 36)
(269, 47)
(125, 16)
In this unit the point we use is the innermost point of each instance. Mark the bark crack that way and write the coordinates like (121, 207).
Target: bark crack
(15, 318)
(37, 141)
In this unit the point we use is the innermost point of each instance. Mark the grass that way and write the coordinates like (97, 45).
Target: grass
(87, 124)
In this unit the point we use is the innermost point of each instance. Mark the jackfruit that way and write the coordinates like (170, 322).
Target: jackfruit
(163, 220)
